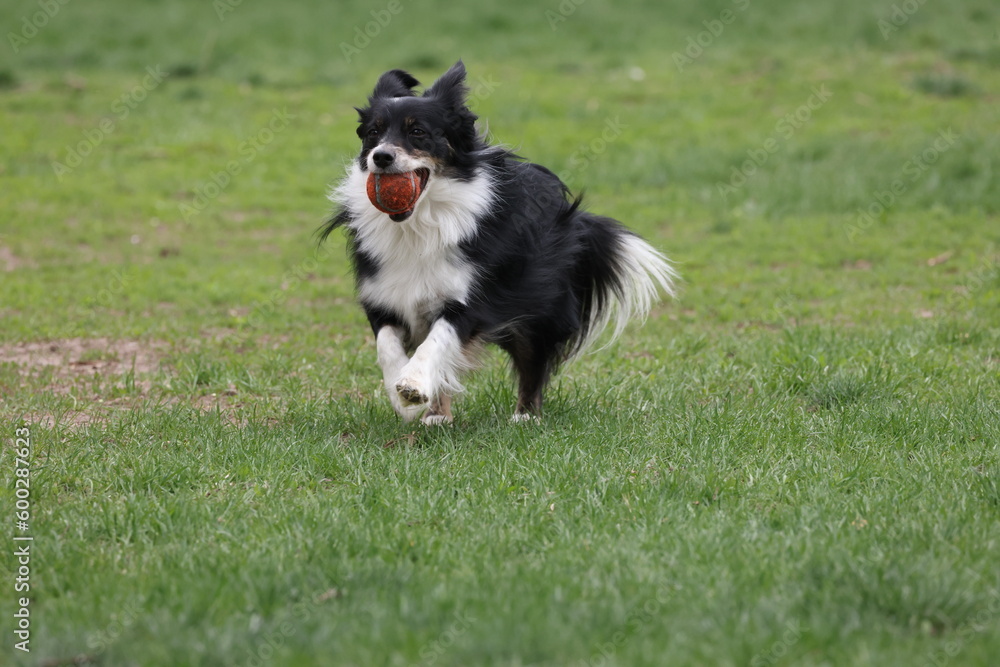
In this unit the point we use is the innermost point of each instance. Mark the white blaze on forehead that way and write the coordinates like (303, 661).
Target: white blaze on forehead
(401, 160)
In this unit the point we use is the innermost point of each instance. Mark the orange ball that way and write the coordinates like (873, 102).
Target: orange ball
(394, 193)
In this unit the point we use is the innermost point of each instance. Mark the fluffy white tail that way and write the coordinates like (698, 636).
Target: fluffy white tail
(640, 273)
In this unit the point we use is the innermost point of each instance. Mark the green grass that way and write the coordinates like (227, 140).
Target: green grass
(795, 463)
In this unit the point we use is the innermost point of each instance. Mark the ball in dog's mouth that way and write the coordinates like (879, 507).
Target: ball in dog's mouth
(397, 194)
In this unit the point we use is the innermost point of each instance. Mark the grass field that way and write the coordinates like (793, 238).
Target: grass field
(796, 463)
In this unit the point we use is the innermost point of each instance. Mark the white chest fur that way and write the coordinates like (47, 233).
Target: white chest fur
(417, 288)
(420, 265)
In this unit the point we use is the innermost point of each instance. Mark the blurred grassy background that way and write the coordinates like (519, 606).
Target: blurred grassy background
(550, 78)
(806, 440)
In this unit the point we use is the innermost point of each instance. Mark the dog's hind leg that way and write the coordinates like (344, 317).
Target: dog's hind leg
(529, 399)
(533, 367)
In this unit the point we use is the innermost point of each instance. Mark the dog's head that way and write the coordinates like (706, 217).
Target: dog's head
(432, 135)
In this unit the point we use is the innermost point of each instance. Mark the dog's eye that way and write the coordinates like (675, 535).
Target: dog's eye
(417, 132)
(372, 133)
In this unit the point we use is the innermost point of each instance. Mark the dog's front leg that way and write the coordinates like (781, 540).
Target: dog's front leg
(431, 376)
(392, 358)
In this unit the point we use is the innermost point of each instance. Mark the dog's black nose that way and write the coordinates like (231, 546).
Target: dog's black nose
(382, 159)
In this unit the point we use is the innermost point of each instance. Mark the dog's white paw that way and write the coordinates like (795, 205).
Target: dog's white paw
(410, 393)
(436, 420)
(525, 418)
(407, 411)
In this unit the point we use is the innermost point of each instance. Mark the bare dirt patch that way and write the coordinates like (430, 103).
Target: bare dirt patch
(11, 262)
(70, 366)
(73, 358)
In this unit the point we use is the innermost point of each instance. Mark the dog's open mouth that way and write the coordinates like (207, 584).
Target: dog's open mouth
(396, 194)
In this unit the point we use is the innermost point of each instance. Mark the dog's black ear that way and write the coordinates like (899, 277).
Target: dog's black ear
(363, 115)
(460, 121)
(450, 88)
(394, 83)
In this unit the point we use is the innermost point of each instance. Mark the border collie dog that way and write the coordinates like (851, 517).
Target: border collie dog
(493, 250)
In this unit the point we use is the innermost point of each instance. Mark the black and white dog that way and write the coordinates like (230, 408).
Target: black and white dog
(492, 251)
